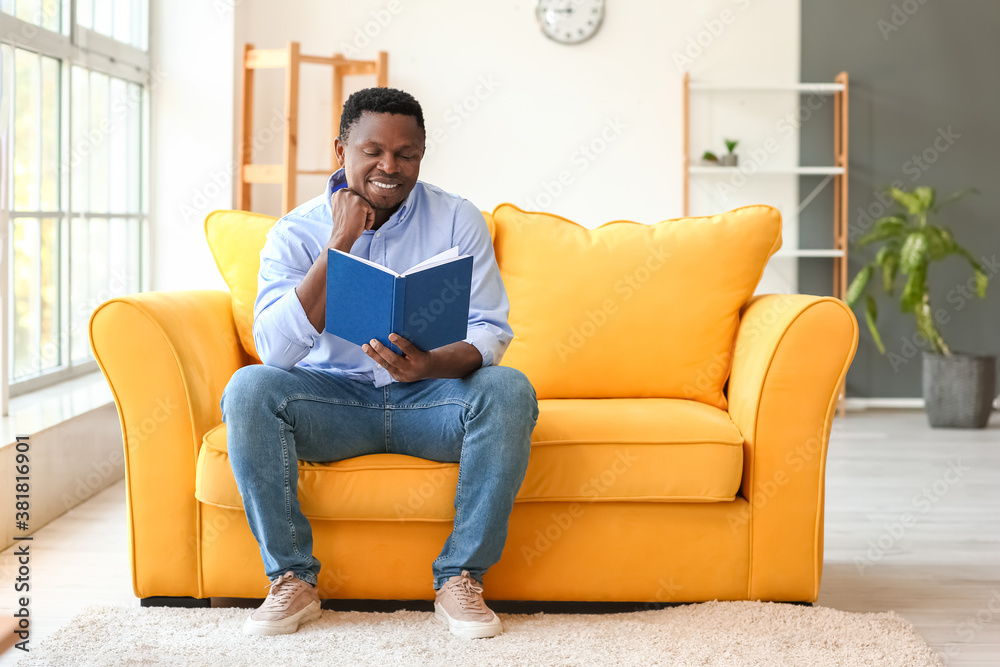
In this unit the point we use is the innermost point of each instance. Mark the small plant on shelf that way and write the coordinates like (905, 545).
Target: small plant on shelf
(727, 159)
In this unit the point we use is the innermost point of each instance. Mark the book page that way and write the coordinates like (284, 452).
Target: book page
(368, 262)
(440, 258)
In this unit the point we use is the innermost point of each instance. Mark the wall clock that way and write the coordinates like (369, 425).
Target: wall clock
(569, 21)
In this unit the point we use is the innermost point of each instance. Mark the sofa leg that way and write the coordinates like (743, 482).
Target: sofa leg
(167, 601)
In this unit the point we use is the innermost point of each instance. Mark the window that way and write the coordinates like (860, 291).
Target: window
(74, 88)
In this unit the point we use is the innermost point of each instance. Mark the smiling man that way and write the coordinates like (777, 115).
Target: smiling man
(320, 398)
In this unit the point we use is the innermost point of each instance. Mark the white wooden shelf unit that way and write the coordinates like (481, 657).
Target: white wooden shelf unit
(837, 172)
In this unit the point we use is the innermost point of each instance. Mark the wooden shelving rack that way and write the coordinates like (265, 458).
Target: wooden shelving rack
(837, 173)
(291, 60)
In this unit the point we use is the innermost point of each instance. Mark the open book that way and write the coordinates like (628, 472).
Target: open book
(427, 304)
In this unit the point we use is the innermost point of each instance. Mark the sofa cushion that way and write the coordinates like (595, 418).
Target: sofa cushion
(633, 449)
(236, 239)
(630, 309)
(607, 450)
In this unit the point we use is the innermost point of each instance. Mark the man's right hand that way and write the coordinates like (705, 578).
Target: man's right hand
(352, 215)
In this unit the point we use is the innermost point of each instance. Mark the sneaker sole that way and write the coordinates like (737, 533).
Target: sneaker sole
(468, 629)
(285, 626)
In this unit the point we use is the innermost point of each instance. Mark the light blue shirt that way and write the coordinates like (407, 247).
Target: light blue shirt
(428, 221)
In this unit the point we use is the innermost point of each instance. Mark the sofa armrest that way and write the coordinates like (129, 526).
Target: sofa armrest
(791, 355)
(167, 356)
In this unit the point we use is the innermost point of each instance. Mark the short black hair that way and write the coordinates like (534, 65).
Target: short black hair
(378, 100)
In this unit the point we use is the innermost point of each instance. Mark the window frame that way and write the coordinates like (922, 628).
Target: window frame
(73, 46)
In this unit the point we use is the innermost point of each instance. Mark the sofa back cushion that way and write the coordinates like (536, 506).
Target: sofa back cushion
(630, 309)
(236, 239)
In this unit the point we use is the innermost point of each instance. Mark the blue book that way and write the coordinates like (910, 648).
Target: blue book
(427, 305)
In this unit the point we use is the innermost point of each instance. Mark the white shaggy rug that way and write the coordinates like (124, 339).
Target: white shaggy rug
(712, 633)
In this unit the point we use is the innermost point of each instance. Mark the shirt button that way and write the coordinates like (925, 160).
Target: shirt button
(378, 233)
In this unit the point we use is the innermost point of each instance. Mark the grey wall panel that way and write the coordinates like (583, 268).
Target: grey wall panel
(924, 110)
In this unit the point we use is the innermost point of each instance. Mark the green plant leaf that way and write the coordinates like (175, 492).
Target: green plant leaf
(947, 238)
(871, 315)
(888, 259)
(981, 281)
(731, 144)
(955, 196)
(940, 242)
(913, 254)
(858, 285)
(887, 251)
(908, 200)
(982, 278)
(915, 289)
(883, 228)
(710, 156)
(925, 325)
(889, 268)
(925, 195)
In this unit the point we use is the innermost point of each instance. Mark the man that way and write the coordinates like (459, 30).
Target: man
(320, 398)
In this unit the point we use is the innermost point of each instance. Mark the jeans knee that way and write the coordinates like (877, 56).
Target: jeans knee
(508, 399)
(250, 387)
(509, 390)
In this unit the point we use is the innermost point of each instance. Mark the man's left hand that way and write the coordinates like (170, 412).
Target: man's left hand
(416, 365)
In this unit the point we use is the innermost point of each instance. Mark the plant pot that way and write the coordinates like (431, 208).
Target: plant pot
(728, 160)
(959, 389)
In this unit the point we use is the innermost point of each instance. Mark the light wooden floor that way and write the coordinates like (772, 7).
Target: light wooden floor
(941, 571)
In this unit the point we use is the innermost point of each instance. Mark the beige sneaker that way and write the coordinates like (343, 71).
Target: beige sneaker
(290, 603)
(459, 605)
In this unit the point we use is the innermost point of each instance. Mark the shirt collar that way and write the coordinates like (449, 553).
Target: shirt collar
(338, 180)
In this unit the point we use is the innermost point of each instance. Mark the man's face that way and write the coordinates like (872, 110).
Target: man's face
(381, 158)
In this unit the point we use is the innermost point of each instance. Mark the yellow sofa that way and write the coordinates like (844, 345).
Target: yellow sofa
(679, 454)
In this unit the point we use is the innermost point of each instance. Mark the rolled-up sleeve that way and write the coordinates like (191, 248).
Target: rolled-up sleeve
(282, 331)
(488, 331)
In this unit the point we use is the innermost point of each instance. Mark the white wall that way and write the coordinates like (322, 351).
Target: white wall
(191, 48)
(507, 110)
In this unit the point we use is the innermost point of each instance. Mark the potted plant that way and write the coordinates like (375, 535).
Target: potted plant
(958, 388)
(729, 159)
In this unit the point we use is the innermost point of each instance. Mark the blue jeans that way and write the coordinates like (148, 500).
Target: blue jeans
(276, 417)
